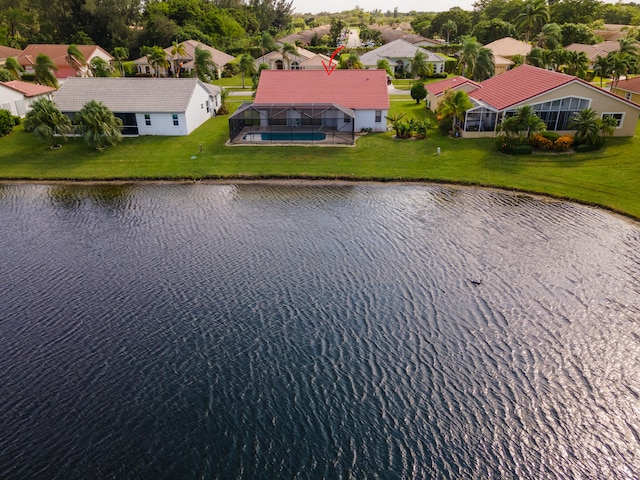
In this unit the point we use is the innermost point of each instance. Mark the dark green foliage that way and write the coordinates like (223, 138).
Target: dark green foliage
(586, 147)
(445, 125)
(507, 144)
(418, 92)
(17, 121)
(549, 135)
(523, 150)
(6, 122)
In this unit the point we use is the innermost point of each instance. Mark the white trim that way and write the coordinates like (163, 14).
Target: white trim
(612, 114)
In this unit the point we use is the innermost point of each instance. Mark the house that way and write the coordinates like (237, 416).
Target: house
(437, 90)
(601, 49)
(301, 60)
(554, 96)
(8, 52)
(147, 106)
(305, 37)
(219, 59)
(17, 96)
(628, 88)
(58, 55)
(310, 106)
(505, 50)
(399, 54)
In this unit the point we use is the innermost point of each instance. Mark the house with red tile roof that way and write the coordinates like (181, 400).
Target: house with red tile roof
(437, 90)
(7, 52)
(58, 54)
(628, 88)
(554, 96)
(17, 96)
(310, 105)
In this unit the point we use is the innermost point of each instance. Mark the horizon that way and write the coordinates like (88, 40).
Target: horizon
(404, 6)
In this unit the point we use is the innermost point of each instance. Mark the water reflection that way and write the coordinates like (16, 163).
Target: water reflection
(109, 196)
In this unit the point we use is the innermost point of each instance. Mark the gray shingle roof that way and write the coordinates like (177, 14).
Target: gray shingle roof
(129, 94)
(397, 49)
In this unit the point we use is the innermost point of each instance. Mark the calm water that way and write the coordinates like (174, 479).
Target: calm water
(263, 332)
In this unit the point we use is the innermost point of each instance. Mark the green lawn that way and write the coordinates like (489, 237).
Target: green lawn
(610, 177)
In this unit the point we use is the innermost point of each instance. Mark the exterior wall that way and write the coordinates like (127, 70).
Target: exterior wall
(633, 96)
(161, 124)
(600, 102)
(200, 109)
(367, 119)
(501, 68)
(16, 102)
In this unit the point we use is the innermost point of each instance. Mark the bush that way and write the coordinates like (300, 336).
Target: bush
(28, 77)
(445, 125)
(16, 121)
(506, 144)
(227, 74)
(6, 122)
(563, 143)
(586, 147)
(553, 136)
(222, 110)
(538, 141)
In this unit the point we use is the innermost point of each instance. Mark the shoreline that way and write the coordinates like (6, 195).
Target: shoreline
(306, 181)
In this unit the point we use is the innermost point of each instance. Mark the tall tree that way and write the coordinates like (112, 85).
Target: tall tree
(43, 71)
(532, 17)
(287, 50)
(178, 53)
(98, 126)
(383, 64)
(14, 67)
(419, 66)
(120, 54)
(267, 43)
(76, 59)
(450, 27)
(577, 63)
(484, 67)
(156, 57)
(47, 122)
(247, 66)
(602, 67)
(468, 56)
(203, 63)
(100, 67)
(550, 37)
(351, 61)
(587, 126)
(454, 104)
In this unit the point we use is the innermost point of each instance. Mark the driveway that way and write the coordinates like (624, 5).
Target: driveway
(353, 39)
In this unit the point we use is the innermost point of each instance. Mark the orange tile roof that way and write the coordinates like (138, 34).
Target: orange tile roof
(355, 89)
(629, 84)
(56, 52)
(517, 85)
(28, 89)
(436, 88)
(6, 52)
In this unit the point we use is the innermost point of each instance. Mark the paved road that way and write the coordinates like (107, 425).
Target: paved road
(353, 39)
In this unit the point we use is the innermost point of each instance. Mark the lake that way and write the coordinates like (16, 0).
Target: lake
(262, 331)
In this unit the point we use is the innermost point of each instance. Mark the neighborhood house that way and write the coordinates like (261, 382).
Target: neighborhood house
(58, 55)
(554, 96)
(17, 96)
(146, 106)
(399, 54)
(309, 106)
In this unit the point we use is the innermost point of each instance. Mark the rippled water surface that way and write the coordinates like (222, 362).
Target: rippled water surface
(362, 331)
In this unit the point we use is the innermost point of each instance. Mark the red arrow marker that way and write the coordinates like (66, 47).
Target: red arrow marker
(329, 69)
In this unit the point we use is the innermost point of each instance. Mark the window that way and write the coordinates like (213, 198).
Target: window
(147, 119)
(347, 118)
(295, 66)
(557, 114)
(618, 116)
(175, 119)
(628, 96)
(378, 116)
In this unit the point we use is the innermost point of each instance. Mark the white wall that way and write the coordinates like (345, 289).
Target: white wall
(16, 102)
(161, 124)
(366, 119)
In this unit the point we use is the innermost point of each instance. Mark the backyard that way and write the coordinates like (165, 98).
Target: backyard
(606, 177)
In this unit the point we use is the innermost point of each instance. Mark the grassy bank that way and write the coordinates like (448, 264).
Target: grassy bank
(609, 178)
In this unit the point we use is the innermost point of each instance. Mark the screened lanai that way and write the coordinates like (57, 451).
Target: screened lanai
(292, 123)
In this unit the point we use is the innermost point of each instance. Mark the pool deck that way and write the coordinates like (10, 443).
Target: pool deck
(247, 136)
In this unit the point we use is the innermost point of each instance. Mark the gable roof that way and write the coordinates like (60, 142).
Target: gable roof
(306, 36)
(629, 84)
(28, 89)
(355, 89)
(57, 53)
(526, 82)
(6, 52)
(508, 47)
(437, 88)
(592, 51)
(122, 94)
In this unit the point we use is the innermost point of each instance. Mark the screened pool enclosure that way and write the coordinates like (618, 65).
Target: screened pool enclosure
(314, 123)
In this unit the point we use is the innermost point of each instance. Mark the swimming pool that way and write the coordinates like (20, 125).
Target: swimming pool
(285, 137)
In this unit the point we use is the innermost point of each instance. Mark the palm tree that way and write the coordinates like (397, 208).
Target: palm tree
(266, 43)
(100, 67)
(287, 49)
(120, 54)
(550, 37)
(383, 64)
(42, 69)
(620, 64)
(419, 66)
(601, 67)
(557, 58)
(14, 67)
(47, 122)
(523, 123)
(532, 17)
(351, 62)
(156, 57)
(448, 28)
(395, 120)
(587, 125)
(470, 49)
(178, 52)
(203, 64)
(608, 125)
(247, 66)
(484, 66)
(577, 63)
(98, 126)
(539, 57)
(76, 59)
(454, 104)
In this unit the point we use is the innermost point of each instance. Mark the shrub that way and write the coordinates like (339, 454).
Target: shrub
(16, 121)
(553, 136)
(28, 77)
(563, 143)
(541, 142)
(445, 125)
(227, 74)
(222, 110)
(506, 144)
(586, 147)
(6, 122)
